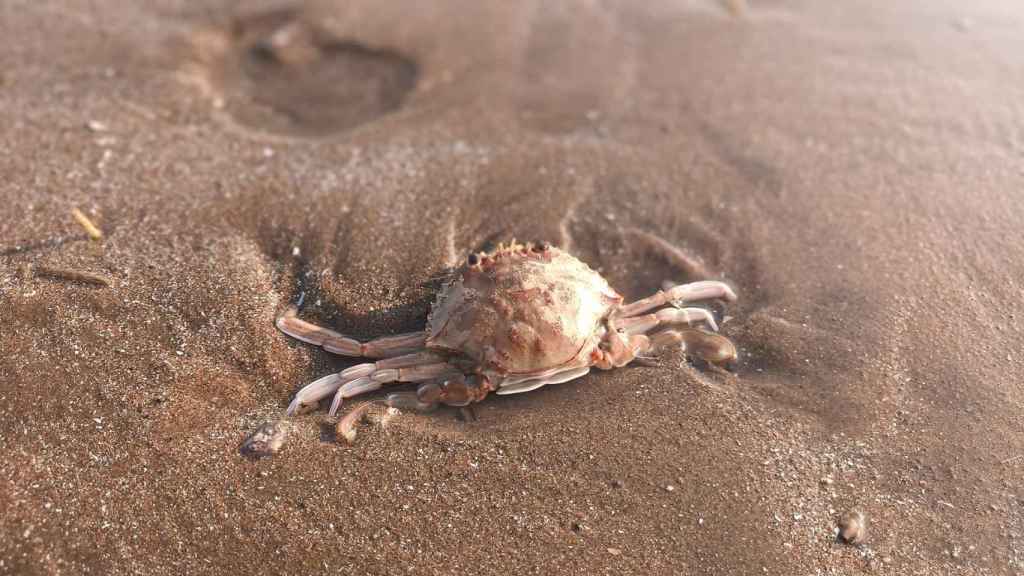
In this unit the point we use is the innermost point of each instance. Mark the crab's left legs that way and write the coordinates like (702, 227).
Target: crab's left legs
(370, 376)
(378, 379)
(704, 290)
(337, 343)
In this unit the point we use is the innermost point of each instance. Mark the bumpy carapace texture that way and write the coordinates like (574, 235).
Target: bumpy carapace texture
(521, 309)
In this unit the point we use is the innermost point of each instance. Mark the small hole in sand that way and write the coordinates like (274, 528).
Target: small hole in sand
(292, 80)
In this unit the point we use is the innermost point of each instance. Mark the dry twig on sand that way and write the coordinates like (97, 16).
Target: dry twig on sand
(75, 276)
(84, 221)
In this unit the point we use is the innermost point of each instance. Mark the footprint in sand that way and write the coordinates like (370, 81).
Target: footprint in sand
(274, 72)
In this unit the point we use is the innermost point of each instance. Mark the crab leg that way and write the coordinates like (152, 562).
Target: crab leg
(337, 343)
(704, 290)
(666, 316)
(376, 380)
(408, 400)
(370, 376)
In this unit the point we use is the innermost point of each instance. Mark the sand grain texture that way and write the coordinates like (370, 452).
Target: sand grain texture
(854, 170)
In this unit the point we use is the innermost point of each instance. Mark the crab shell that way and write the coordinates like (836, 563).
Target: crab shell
(522, 310)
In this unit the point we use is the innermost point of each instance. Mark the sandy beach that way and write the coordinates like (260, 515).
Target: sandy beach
(854, 170)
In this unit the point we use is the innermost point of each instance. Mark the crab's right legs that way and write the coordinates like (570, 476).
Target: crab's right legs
(337, 343)
(704, 290)
(712, 348)
(667, 317)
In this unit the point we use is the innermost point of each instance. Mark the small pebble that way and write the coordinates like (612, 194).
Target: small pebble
(87, 224)
(96, 126)
(670, 488)
(614, 551)
(853, 528)
(267, 439)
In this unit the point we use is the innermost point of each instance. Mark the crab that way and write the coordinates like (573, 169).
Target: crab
(510, 321)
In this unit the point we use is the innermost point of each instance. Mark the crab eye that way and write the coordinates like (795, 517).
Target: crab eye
(473, 260)
(542, 247)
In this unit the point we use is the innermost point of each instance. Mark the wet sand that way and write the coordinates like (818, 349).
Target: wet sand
(853, 170)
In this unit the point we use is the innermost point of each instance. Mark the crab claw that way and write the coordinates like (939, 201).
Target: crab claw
(409, 402)
(456, 391)
(712, 348)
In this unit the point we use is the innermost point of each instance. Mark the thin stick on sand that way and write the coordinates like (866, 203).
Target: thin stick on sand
(84, 221)
(75, 276)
